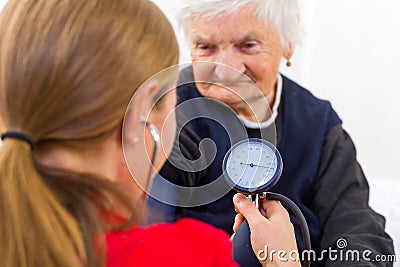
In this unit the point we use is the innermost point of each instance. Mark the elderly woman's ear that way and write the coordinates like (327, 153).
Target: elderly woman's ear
(288, 51)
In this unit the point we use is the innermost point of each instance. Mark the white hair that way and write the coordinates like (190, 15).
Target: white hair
(281, 14)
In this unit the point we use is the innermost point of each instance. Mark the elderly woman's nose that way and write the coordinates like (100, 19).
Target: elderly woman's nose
(230, 67)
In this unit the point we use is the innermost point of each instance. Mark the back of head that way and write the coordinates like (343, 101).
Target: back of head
(67, 72)
(281, 14)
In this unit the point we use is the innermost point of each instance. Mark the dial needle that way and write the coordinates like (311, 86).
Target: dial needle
(254, 165)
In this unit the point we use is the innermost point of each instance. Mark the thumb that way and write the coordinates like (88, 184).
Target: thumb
(246, 208)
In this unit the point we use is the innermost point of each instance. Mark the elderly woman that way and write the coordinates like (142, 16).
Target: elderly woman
(321, 174)
(68, 70)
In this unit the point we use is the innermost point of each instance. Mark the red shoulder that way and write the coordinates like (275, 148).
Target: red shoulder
(187, 242)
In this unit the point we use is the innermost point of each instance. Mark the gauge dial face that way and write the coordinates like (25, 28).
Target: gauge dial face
(252, 166)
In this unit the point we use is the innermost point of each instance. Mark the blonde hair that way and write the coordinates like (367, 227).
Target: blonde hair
(67, 72)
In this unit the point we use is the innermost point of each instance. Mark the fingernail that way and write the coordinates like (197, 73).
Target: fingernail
(238, 198)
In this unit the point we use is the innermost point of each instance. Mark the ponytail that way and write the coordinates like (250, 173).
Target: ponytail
(52, 217)
(35, 230)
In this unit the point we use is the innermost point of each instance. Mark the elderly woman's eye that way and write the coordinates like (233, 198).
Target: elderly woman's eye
(204, 46)
(249, 45)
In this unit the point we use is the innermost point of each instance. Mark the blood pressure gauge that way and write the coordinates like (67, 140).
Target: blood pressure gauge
(252, 166)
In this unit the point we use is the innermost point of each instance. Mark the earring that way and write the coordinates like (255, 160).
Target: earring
(136, 138)
(288, 63)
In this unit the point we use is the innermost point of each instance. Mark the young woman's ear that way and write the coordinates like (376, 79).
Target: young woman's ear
(138, 110)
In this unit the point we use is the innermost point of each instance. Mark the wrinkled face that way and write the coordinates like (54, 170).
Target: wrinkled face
(245, 45)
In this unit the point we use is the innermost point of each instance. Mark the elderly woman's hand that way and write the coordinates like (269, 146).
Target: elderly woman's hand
(270, 228)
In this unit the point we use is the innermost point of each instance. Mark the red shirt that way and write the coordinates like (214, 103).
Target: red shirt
(187, 242)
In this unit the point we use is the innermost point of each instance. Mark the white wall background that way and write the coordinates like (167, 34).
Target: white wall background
(351, 56)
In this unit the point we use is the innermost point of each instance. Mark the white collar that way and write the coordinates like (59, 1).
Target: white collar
(270, 120)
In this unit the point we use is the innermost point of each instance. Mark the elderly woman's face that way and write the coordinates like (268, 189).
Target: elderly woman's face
(242, 42)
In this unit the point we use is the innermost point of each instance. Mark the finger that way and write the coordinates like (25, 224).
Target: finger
(238, 221)
(274, 211)
(247, 209)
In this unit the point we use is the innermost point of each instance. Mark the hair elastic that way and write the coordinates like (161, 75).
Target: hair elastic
(19, 136)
